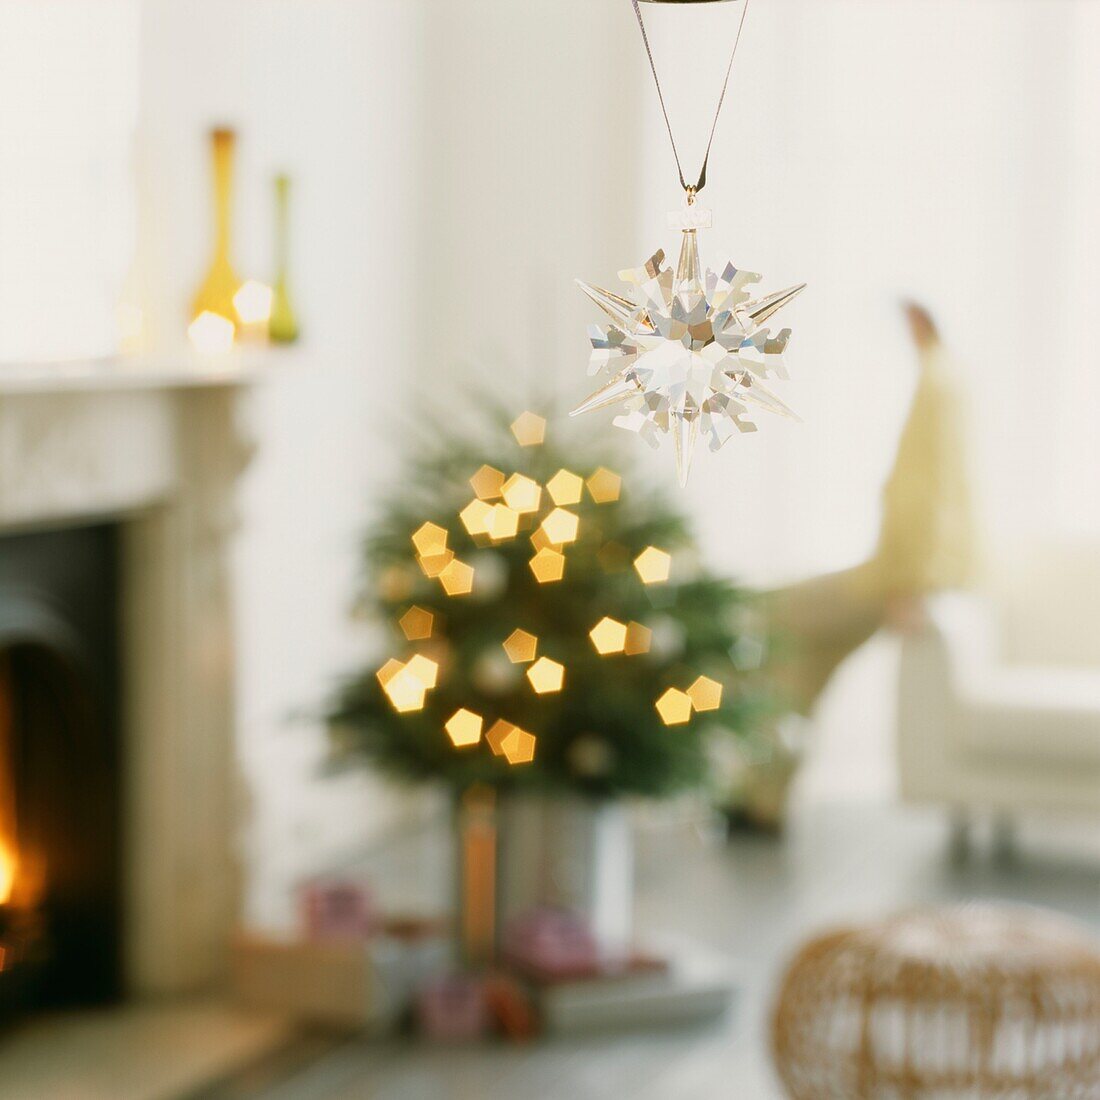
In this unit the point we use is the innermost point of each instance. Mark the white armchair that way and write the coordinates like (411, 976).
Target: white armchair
(977, 735)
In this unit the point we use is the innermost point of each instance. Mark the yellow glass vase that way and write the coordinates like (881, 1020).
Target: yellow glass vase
(215, 295)
(282, 327)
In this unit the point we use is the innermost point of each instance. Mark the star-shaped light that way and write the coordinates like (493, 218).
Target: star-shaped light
(687, 352)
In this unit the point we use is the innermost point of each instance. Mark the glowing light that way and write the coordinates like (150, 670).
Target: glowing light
(546, 676)
(604, 486)
(434, 564)
(487, 483)
(638, 639)
(561, 526)
(540, 540)
(608, 636)
(705, 693)
(674, 707)
(7, 873)
(388, 671)
(416, 624)
(457, 579)
(520, 647)
(464, 728)
(498, 731)
(522, 494)
(565, 488)
(477, 517)
(403, 688)
(518, 746)
(653, 565)
(423, 669)
(548, 566)
(211, 334)
(253, 302)
(430, 540)
(504, 523)
(529, 429)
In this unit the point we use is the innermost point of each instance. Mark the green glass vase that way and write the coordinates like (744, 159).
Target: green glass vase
(283, 326)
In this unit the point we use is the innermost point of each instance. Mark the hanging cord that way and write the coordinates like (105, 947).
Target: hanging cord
(691, 189)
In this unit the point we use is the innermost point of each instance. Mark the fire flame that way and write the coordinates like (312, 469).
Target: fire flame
(8, 855)
(7, 873)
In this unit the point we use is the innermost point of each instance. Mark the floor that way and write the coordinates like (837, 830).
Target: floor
(143, 1051)
(753, 899)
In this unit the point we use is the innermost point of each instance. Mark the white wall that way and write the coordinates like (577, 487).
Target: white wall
(326, 91)
(530, 182)
(67, 116)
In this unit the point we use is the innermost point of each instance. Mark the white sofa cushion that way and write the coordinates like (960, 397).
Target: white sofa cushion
(1051, 716)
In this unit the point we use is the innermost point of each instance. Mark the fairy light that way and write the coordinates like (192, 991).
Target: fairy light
(548, 565)
(404, 689)
(529, 429)
(518, 746)
(653, 565)
(604, 485)
(541, 541)
(457, 578)
(430, 540)
(434, 564)
(504, 523)
(477, 517)
(520, 646)
(423, 669)
(638, 639)
(705, 694)
(496, 734)
(561, 526)
(546, 676)
(487, 483)
(416, 624)
(674, 707)
(609, 636)
(464, 728)
(522, 494)
(565, 488)
(389, 670)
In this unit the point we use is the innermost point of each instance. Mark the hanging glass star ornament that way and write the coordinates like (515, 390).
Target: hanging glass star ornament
(687, 351)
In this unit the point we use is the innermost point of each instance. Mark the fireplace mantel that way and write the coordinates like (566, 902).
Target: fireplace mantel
(159, 450)
(183, 371)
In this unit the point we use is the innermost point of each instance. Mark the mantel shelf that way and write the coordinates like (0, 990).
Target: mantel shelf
(183, 371)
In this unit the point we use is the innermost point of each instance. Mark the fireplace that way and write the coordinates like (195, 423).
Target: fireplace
(117, 512)
(61, 911)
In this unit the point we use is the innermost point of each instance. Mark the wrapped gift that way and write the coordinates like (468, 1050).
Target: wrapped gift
(453, 1008)
(547, 942)
(337, 909)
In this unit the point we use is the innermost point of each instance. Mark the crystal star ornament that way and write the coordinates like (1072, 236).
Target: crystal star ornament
(687, 352)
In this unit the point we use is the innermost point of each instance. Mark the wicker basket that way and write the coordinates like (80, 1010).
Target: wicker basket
(971, 1002)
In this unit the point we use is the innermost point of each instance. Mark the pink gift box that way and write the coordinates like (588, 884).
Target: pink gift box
(453, 1009)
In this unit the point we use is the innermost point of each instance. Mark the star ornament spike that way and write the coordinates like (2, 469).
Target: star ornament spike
(687, 353)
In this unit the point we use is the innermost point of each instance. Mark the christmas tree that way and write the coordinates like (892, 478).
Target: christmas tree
(550, 626)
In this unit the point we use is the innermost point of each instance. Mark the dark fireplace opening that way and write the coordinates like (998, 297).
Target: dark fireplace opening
(60, 771)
